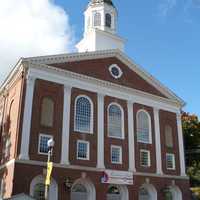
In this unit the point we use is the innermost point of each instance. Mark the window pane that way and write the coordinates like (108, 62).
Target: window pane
(79, 188)
(43, 144)
(83, 115)
(39, 191)
(116, 154)
(168, 136)
(143, 127)
(108, 20)
(47, 112)
(115, 121)
(97, 19)
(144, 158)
(170, 159)
(82, 150)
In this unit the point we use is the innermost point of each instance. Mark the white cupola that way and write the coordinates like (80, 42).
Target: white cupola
(100, 27)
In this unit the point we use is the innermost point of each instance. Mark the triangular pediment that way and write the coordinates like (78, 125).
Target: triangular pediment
(96, 65)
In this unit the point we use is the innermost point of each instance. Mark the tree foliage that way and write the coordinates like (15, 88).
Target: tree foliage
(191, 131)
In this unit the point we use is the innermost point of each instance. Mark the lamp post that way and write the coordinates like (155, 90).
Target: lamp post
(50, 145)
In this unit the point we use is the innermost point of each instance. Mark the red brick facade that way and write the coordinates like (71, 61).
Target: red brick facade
(23, 172)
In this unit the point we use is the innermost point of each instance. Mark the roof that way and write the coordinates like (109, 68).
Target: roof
(102, 1)
(48, 60)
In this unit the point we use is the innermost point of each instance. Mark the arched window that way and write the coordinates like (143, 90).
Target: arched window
(168, 136)
(143, 127)
(115, 121)
(108, 21)
(97, 19)
(39, 191)
(79, 192)
(47, 112)
(83, 115)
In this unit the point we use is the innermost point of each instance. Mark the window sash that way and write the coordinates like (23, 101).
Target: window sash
(43, 144)
(145, 158)
(83, 121)
(83, 150)
(115, 121)
(170, 161)
(116, 154)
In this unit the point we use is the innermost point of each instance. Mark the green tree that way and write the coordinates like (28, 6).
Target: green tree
(191, 131)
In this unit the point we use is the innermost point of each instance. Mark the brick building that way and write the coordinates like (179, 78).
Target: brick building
(117, 130)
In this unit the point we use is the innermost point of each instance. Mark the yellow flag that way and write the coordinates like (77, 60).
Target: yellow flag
(49, 171)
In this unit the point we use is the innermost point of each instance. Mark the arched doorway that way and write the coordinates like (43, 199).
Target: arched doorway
(147, 192)
(83, 189)
(117, 193)
(37, 188)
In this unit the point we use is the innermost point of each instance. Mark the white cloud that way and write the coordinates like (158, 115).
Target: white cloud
(30, 28)
(165, 6)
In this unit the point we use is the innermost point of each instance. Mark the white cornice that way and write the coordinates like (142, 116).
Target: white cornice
(85, 168)
(72, 79)
(106, 54)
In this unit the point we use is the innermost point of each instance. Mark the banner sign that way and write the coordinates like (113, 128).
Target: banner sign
(49, 171)
(117, 177)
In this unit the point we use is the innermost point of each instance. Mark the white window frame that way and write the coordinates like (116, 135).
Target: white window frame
(43, 135)
(94, 15)
(88, 150)
(150, 127)
(120, 155)
(122, 112)
(173, 161)
(119, 69)
(149, 158)
(91, 117)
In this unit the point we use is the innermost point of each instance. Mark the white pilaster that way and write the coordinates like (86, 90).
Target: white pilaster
(66, 126)
(181, 146)
(131, 139)
(27, 118)
(100, 151)
(158, 141)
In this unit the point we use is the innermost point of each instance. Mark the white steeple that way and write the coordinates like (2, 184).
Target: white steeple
(100, 27)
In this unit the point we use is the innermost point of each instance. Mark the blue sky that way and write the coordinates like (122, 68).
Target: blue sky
(162, 36)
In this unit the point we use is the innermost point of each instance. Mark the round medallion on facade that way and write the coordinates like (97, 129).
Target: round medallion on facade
(115, 71)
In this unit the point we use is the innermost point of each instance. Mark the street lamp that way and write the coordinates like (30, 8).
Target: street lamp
(50, 145)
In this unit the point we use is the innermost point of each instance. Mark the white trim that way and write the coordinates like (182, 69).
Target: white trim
(95, 85)
(39, 142)
(26, 128)
(120, 154)
(181, 146)
(100, 154)
(91, 117)
(150, 127)
(119, 69)
(93, 169)
(88, 150)
(131, 138)
(105, 54)
(66, 125)
(157, 141)
(122, 122)
(149, 157)
(173, 161)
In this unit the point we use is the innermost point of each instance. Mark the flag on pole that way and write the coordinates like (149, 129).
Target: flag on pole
(49, 171)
